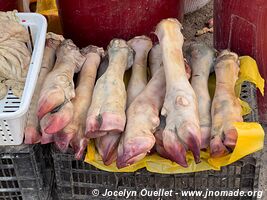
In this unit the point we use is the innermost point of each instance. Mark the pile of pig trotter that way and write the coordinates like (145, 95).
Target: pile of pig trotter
(166, 106)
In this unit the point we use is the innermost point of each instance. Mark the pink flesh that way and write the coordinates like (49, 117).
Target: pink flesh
(79, 145)
(32, 136)
(47, 138)
(52, 123)
(97, 126)
(217, 148)
(49, 101)
(62, 141)
(112, 122)
(230, 138)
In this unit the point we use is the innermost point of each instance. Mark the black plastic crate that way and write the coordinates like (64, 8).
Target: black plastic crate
(77, 180)
(26, 172)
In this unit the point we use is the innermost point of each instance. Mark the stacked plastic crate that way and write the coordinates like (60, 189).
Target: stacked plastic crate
(77, 180)
(25, 170)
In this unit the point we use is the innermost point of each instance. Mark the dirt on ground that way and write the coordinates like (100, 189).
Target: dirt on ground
(196, 21)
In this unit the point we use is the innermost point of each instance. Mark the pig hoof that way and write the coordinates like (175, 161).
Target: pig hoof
(79, 146)
(32, 136)
(174, 148)
(205, 137)
(230, 138)
(50, 100)
(134, 150)
(52, 123)
(217, 148)
(62, 141)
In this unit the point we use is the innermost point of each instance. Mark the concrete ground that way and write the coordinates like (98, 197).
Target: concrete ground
(195, 21)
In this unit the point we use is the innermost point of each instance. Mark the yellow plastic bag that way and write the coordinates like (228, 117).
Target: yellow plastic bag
(48, 8)
(250, 137)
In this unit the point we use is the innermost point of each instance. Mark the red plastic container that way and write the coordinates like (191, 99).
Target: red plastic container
(7, 5)
(241, 26)
(98, 22)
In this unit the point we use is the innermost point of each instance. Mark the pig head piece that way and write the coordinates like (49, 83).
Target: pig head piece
(117, 44)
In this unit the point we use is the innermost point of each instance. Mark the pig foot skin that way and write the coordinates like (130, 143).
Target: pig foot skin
(200, 58)
(159, 140)
(58, 85)
(141, 45)
(226, 108)
(182, 131)
(143, 119)
(155, 62)
(73, 133)
(32, 132)
(107, 111)
(79, 145)
(108, 144)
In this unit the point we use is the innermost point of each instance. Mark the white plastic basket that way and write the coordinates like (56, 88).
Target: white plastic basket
(13, 110)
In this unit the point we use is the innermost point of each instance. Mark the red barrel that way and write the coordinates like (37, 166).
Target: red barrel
(241, 26)
(98, 22)
(7, 5)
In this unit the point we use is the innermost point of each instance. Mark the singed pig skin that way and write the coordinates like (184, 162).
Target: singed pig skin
(201, 59)
(107, 147)
(226, 108)
(107, 111)
(182, 131)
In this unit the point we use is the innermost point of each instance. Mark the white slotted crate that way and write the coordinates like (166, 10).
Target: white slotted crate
(13, 110)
